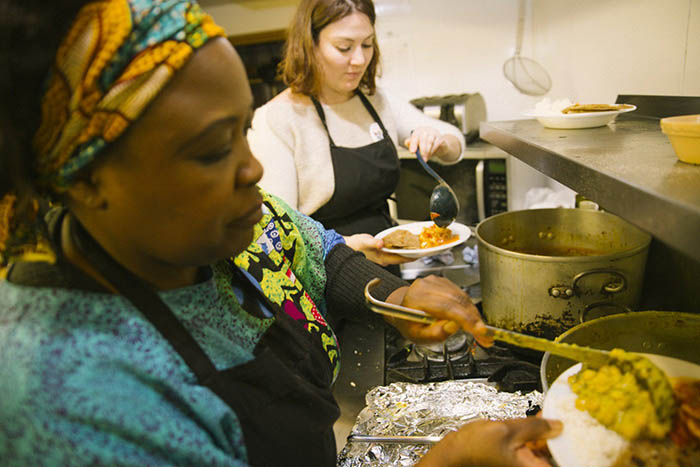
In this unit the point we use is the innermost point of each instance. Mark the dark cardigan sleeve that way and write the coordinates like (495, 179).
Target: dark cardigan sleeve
(348, 271)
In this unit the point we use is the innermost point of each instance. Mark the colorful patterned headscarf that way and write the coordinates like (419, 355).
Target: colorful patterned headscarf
(113, 62)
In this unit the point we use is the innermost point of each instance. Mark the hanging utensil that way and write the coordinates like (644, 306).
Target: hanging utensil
(528, 76)
(444, 205)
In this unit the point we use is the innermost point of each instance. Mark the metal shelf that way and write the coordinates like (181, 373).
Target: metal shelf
(628, 168)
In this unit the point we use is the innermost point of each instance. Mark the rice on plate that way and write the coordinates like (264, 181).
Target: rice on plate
(584, 442)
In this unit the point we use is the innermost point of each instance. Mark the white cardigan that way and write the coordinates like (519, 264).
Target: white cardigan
(288, 138)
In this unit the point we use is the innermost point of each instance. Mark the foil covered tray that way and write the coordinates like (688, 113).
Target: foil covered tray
(430, 409)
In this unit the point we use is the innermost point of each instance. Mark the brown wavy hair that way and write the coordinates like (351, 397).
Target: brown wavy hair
(299, 68)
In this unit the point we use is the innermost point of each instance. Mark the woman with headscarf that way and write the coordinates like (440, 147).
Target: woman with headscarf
(158, 308)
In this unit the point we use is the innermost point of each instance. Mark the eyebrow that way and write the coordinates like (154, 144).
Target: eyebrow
(351, 39)
(222, 122)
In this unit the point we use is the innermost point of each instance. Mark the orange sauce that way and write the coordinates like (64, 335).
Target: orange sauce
(435, 236)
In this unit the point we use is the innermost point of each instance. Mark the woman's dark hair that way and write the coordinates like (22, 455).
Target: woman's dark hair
(299, 68)
(30, 33)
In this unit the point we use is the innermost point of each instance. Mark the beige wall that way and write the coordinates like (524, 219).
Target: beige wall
(599, 48)
(593, 50)
(250, 16)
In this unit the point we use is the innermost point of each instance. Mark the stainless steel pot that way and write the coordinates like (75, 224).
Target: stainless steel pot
(659, 332)
(542, 270)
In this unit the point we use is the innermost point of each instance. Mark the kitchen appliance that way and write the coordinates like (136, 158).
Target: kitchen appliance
(541, 268)
(465, 111)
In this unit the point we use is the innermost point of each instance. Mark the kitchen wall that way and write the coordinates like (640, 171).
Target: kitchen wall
(593, 50)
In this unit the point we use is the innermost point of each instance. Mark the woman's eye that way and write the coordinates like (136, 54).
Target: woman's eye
(367, 46)
(214, 157)
(343, 49)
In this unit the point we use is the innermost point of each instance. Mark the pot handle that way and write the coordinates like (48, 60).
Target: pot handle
(583, 316)
(616, 285)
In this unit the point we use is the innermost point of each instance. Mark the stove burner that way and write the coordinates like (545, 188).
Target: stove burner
(455, 347)
(502, 365)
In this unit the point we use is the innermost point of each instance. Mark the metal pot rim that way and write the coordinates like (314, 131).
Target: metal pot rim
(603, 319)
(631, 251)
(560, 259)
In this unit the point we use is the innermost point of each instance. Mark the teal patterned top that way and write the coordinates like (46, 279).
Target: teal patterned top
(86, 379)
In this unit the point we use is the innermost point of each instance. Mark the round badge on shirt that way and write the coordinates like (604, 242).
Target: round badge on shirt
(376, 132)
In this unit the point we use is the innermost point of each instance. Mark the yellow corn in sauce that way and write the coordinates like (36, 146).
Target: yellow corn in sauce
(614, 396)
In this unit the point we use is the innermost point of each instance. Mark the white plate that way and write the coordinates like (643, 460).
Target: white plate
(567, 449)
(461, 230)
(577, 120)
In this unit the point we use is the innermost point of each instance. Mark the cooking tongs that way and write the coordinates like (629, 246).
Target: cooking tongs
(593, 357)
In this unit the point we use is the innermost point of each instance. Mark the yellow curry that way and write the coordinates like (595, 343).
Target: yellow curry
(629, 395)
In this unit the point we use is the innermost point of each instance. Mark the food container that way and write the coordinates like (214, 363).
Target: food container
(543, 269)
(667, 333)
(684, 133)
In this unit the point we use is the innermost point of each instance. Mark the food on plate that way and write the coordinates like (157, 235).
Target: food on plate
(581, 108)
(548, 107)
(429, 237)
(630, 396)
(435, 236)
(686, 427)
(401, 239)
(657, 453)
(682, 446)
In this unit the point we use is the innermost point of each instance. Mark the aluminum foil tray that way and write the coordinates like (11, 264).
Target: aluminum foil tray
(431, 409)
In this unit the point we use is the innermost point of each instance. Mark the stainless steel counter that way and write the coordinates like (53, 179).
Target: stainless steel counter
(628, 168)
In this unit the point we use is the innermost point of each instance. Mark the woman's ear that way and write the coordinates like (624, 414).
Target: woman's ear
(86, 193)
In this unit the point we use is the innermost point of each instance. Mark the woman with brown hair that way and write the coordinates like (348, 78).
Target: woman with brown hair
(166, 311)
(328, 142)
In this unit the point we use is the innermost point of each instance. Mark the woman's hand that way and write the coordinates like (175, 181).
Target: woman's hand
(433, 144)
(445, 301)
(487, 443)
(371, 247)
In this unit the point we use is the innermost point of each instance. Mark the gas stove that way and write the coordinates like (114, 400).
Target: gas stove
(459, 358)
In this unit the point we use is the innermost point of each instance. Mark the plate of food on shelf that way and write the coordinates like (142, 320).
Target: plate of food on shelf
(564, 114)
(612, 418)
(419, 239)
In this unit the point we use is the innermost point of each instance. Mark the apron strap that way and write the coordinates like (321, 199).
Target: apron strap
(365, 102)
(146, 300)
(372, 112)
(322, 116)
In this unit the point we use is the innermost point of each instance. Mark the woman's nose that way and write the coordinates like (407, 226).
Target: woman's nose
(358, 57)
(251, 172)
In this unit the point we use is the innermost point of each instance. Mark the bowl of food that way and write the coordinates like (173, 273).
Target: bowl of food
(683, 132)
(419, 239)
(563, 114)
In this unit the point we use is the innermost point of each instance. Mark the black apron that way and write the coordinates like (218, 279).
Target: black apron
(364, 177)
(282, 398)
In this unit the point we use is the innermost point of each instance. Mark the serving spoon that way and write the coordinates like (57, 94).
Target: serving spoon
(444, 205)
(644, 370)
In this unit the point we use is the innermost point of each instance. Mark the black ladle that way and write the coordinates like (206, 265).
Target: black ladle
(444, 205)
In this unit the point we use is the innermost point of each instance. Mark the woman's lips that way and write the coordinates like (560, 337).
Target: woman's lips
(250, 218)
